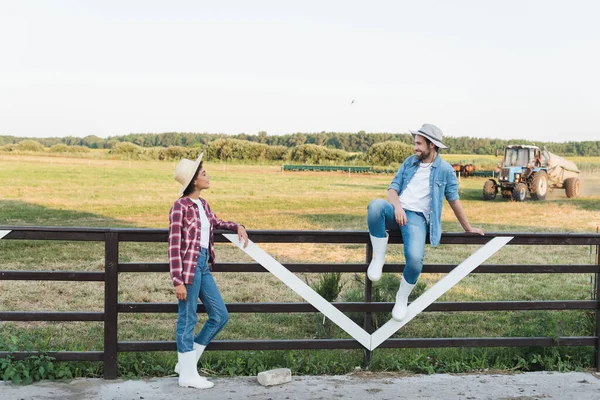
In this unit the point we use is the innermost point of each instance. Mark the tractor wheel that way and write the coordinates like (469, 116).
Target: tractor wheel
(539, 186)
(490, 189)
(519, 193)
(572, 187)
(506, 193)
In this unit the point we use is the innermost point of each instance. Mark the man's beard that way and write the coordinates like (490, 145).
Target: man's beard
(423, 155)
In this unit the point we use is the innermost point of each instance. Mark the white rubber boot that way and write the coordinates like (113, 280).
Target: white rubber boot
(401, 306)
(379, 248)
(199, 349)
(188, 374)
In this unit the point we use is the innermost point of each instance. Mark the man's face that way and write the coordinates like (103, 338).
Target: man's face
(422, 149)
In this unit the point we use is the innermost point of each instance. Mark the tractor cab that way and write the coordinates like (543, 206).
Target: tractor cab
(522, 156)
(519, 163)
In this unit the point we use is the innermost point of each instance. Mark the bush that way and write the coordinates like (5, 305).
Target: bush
(276, 153)
(78, 149)
(234, 149)
(386, 153)
(176, 153)
(127, 150)
(328, 286)
(29, 145)
(59, 148)
(314, 154)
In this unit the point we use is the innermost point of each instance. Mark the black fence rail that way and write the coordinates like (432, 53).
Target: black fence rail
(112, 307)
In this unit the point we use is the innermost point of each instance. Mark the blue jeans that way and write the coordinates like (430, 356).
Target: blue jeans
(205, 288)
(380, 217)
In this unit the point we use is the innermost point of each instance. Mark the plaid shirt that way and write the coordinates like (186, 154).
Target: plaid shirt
(184, 238)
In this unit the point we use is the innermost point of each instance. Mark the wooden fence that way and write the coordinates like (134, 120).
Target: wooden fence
(112, 307)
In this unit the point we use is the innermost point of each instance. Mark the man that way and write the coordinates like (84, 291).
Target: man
(414, 206)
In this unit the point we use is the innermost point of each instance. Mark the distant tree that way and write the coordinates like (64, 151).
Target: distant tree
(262, 137)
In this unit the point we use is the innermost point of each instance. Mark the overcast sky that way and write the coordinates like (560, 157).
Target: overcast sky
(503, 69)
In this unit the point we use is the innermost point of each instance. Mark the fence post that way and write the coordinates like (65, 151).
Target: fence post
(597, 297)
(111, 290)
(368, 322)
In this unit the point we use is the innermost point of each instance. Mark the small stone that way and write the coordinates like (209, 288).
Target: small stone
(275, 377)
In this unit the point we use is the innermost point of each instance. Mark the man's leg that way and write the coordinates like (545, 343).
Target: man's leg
(414, 234)
(380, 216)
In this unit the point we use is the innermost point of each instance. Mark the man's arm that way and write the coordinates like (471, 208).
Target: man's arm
(462, 218)
(393, 198)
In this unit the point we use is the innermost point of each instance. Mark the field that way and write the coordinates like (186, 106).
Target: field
(55, 191)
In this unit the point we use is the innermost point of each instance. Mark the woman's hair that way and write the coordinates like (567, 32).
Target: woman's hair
(190, 188)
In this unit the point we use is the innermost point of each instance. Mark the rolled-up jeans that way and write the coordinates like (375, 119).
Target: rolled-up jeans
(380, 217)
(205, 288)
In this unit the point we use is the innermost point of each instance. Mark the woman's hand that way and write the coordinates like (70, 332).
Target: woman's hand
(181, 292)
(242, 235)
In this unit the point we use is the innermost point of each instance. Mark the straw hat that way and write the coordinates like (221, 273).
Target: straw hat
(185, 172)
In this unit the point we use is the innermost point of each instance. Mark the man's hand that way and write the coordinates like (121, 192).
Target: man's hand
(181, 292)
(400, 216)
(462, 218)
(478, 231)
(242, 235)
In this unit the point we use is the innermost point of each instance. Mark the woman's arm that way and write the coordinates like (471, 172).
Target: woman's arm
(175, 225)
(229, 225)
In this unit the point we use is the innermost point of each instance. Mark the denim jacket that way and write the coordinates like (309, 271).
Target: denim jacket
(442, 182)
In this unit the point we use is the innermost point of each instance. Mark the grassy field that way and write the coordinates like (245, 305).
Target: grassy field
(54, 191)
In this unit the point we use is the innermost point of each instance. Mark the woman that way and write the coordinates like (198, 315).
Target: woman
(191, 258)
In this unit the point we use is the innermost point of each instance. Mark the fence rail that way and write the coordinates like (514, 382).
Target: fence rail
(112, 306)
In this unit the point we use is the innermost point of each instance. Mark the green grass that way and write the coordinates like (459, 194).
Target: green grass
(54, 191)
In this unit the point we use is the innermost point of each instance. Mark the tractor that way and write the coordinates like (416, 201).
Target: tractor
(527, 169)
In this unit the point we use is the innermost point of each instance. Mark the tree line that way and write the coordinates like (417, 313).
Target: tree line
(359, 142)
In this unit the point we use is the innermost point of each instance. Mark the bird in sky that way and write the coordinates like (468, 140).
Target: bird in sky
(352, 102)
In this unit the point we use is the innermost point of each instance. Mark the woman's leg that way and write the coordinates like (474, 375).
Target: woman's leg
(187, 317)
(215, 308)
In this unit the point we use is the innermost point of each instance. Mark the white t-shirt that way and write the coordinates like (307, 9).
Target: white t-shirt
(417, 195)
(204, 225)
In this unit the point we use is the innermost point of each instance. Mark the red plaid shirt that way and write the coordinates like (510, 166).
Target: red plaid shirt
(184, 238)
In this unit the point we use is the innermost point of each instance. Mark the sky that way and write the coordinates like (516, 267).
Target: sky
(498, 69)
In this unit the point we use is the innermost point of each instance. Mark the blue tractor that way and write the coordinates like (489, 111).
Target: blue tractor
(527, 169)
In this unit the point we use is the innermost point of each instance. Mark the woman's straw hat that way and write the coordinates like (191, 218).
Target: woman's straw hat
(185, 172)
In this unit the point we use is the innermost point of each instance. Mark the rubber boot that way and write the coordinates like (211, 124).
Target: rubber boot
(188, 374)
(376, 266)
(401, 306)
(199, 349)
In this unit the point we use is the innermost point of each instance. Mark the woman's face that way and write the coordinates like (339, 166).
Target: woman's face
(202, 180)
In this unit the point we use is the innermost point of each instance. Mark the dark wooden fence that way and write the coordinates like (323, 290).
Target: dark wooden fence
(112, 306)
